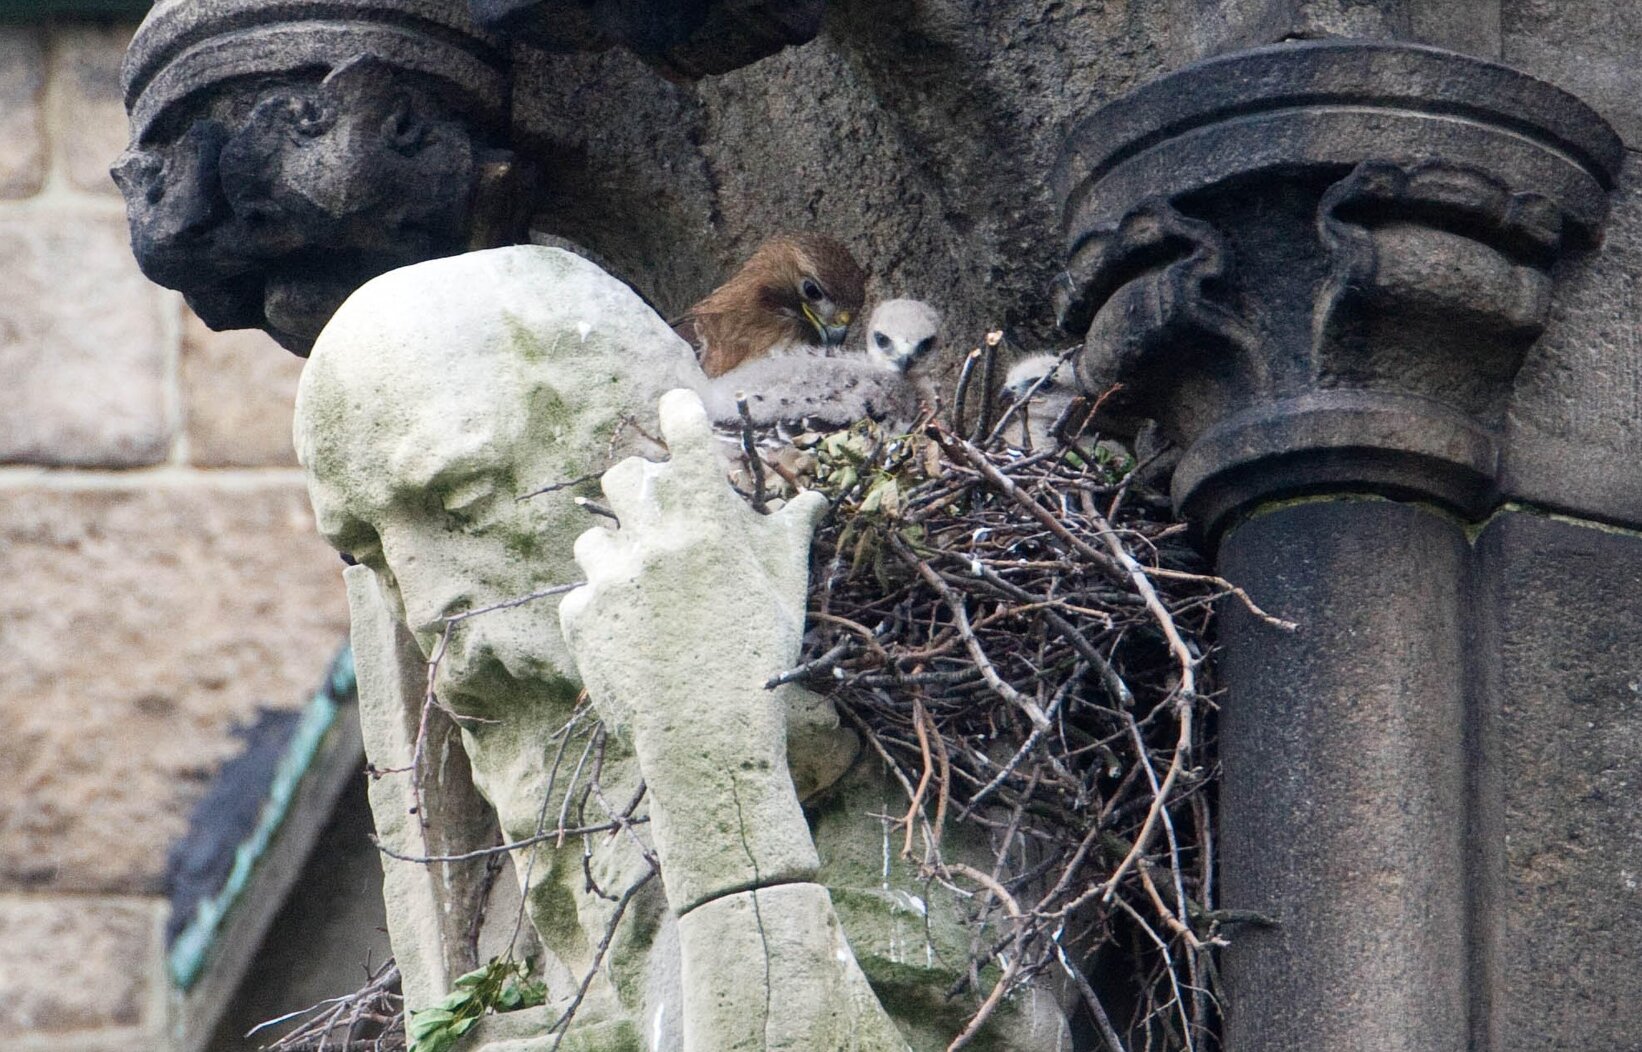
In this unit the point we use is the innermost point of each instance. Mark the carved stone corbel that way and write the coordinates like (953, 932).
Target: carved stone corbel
(1320, 265)
(282, 156)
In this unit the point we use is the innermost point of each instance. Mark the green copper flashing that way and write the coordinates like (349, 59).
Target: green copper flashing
(192, 946)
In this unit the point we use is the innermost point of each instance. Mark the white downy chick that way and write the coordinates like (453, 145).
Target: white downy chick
(903, 335)
(1049, 401)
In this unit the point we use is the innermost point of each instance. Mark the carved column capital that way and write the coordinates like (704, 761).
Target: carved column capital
(1319, 266)
(283, 155)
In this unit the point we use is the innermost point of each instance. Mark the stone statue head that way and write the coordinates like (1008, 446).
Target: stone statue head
(437, 397)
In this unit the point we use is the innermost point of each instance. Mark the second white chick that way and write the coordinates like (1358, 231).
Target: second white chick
(1049, 401)
(903, 335)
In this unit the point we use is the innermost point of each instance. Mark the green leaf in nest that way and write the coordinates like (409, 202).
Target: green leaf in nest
(500, 986)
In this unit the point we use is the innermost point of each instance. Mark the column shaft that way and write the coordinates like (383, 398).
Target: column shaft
(1343, 810)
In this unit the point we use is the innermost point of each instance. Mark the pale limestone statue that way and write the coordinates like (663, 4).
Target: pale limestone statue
(437, 396)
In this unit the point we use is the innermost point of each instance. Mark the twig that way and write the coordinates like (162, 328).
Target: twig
(561, 1026)
(749, 449)
(512, 845)
(960, 397)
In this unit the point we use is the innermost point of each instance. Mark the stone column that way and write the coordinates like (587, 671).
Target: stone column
(1319, 267)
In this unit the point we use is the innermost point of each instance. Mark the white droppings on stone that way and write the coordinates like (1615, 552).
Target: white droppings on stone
(886, 853)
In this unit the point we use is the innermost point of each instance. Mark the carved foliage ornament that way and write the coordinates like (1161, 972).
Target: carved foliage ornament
(1308, 298)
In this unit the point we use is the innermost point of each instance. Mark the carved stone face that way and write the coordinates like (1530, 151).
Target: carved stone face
(442, 393)
(280, 199)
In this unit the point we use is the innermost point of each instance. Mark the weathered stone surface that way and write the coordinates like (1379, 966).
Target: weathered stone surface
(692, 38)
(77, 963)
(22, 124)
(1207, 27)
(91, 125)
(1572, 437)
(438, 395)
(427, 906)
(152, 620)
(911, 936)
(237, 392)
(1587, 46)
(1562, 706)
(769, 969)
(1342, 804)
(710, 739)
(83, 386)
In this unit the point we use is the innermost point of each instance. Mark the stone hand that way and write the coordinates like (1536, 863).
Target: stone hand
(690, 605)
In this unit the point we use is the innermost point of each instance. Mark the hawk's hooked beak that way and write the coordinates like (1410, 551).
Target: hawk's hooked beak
(831, 335)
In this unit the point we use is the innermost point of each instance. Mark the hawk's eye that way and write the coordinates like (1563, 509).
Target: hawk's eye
(811, 290)
(881, 340)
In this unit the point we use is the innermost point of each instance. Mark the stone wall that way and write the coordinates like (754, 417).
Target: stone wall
(161, 574)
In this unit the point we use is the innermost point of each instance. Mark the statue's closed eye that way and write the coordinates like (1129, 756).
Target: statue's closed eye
(468, 497)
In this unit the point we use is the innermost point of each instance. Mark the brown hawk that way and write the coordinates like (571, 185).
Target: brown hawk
(797, 293)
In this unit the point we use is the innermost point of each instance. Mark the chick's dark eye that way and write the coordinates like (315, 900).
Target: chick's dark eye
(811, 290)
(881, 340)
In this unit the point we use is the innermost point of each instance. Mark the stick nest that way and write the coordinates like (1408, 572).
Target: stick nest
(1021, 636)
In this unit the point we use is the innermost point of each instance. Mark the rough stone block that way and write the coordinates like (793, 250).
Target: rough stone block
(237, 393)
(153, 620)
(770, 969)
(82, 348)
(1573, 441)
(1588, 47)
(91, 124)
(22, 129)
(72, 963)
(1562, 733)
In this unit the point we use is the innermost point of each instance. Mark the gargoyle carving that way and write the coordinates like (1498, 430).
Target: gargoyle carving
(1140, 292)
(275, 167)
